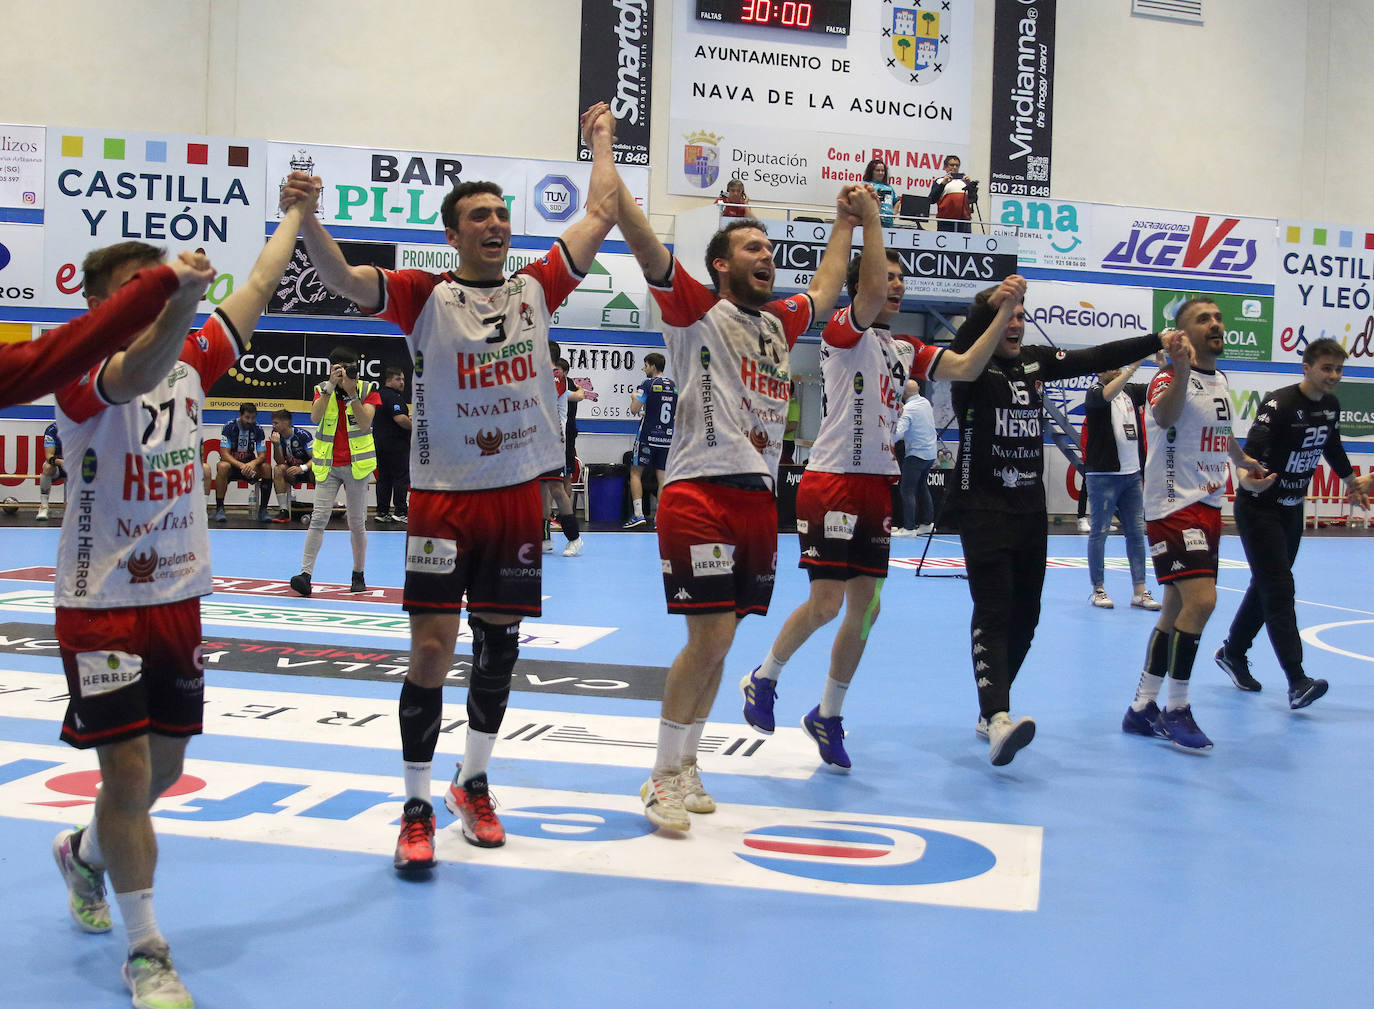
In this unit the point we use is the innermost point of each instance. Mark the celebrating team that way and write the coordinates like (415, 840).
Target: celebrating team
(128, 609)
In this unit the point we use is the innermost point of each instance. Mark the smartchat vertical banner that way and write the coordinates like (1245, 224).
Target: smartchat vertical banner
(617, 67)
(1022, 98)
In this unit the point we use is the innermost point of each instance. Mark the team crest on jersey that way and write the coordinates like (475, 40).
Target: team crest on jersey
(419, 364)
(791, 304)
(141, 567)
(489, 441)
(202, 342)
(526, 315)
(706, 358)
(858, 383)
(192, 410)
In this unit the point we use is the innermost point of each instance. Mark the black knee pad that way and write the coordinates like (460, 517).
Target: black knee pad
(494, 661)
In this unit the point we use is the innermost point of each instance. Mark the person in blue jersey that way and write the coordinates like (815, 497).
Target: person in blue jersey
(243, 456)
(654, 402)
(876, 175)
(52, 469)
(292, 452)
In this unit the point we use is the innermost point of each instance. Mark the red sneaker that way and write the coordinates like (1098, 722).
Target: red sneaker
(471, 803)
(415, 846)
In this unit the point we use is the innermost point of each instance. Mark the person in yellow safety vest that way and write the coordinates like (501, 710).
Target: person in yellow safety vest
(344, 456)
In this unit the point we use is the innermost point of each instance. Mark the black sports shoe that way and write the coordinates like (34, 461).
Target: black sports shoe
(300, 584)
(1238, 669)
(1305, 691)
(357, 585)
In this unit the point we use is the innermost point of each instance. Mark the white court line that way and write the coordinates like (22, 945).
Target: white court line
(1308, 602)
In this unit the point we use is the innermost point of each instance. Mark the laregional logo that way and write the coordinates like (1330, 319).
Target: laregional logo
(556, 198)
(914, 42)
(701, 158)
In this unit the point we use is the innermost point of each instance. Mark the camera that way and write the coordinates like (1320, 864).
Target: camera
(351, 370)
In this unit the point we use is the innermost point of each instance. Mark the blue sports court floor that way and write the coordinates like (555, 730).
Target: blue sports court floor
(1097, 870)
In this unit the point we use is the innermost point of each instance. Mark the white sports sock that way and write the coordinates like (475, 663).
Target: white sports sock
(1178, 694)
(832, 699)
(284, 499)
(672, 743)
(693, 741)
(476, 754)
(89, 849)
(771, 668)
(140, 923)
(418, 777)
(639, 508)
(1146, 691)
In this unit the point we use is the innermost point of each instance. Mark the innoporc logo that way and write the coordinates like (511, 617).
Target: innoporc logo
(913, 43)
(489, 441)
(142, 566)
(701, 158)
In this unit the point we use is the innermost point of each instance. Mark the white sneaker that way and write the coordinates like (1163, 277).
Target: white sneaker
(694, 794)
(980, 728)
(548, 546)
(924, 530)
(574, 548)
(1145, 601)
(1005, 737)
(663, 801)
(42, 515)
(1085, 526)
(153, 981)
(898, 532)
(1101, 600)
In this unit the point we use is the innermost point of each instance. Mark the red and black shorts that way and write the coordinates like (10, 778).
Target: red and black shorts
(719, 547)
(844, 521)
(484, 543)
(1184, 544)
(131, 671)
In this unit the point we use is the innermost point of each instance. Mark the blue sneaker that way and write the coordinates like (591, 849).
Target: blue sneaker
(1183, 731)
(1145, 723)
(829, 736)
(759, 694)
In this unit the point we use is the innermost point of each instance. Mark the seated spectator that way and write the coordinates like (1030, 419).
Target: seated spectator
(875, 173)
(733, 202)
(292, 451)
(243, 456)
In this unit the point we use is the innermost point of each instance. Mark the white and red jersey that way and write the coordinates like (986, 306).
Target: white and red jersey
(864, 380)
(134, 530)
(733, 377)
(484, 412)
(1189, 462)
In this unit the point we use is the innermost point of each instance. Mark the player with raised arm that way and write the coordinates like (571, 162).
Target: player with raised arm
(485, 426)
(128, 603)
(844, 503)
(717, 519)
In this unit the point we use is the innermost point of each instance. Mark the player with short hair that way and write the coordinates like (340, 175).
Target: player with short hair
(243, 456)
(717, 520)
(1190, 445)
(484, 428)
(1296, 427)
(128, 603)
(292, 452)
(654, 402)
(844, 502)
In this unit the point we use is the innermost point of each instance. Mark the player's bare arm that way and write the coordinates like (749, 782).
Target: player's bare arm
(585, 235)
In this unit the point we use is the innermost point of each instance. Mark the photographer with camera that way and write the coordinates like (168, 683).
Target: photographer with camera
(344, 456)
(733, 202)
(954, 195)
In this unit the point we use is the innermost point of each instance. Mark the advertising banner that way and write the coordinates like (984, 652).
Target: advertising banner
(301, 292)
(1325, 287)
(21, 167)
(777, 94)
(1051, 234)
(1249, 321)
(611, 371)
(1022, 98)
(1084, 315)
(617, 67)
(282, 369)
(1181, 250)
(175, 191)
(21, 264)
(939, 266)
